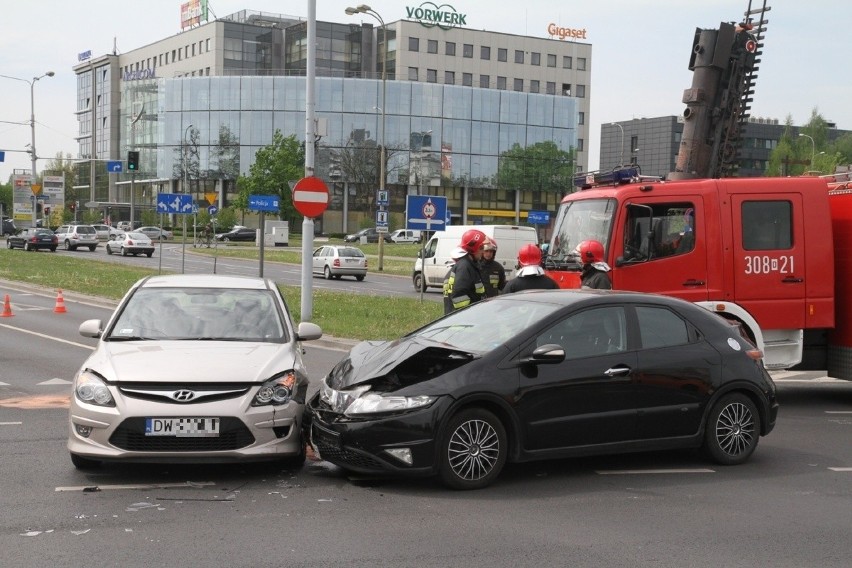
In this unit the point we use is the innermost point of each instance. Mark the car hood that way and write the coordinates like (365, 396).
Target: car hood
(392, 365)
(182, 361)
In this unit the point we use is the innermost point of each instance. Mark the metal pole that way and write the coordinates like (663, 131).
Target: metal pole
(813, 148)
(185, 190)
(307, 305)
(621, 163)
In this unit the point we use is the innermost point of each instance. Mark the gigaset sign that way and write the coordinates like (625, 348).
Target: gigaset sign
(566, 33)
(430, 15)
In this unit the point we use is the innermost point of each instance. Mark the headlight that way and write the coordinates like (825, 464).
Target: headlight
(374, 403)
(276, 391)
(91, 389)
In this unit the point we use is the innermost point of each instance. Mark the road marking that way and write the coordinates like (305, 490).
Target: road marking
(54, 381)
(189, 484)
(809, 381)
(4, 384)
(840, 468)
(838, 411)
(651, 471)
(43, 336)
(10, 423)
(42, 401)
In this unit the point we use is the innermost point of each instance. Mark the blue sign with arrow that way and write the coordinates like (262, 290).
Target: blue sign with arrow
(263, 203)
(177, 203)
(426, 212)
(538, 217)
(115, 166)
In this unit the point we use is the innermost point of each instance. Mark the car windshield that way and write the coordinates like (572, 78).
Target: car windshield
(211, 314)
(486, 325)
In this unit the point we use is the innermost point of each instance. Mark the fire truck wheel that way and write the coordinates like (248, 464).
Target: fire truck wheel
(733, 429)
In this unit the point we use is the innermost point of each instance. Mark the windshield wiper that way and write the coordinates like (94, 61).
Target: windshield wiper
(127, 338)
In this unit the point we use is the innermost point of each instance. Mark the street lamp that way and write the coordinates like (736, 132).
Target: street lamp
(32, 129)
(813, 147)
(364, 9)
(621, 163)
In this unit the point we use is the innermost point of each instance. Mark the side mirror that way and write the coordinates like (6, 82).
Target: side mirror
(308, 331)
(91, 328)
(548, 354)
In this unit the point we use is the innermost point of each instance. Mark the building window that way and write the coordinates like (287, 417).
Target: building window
(207, 44)
(484, 81)
(550, 88)
(501, 83)
(519, 56)
(412, 73)
(581, 64)
(534, 86)
(432, 46)
(431, 75)
(485, 52)
(502, 54)
(535, 59)
(467, 50)
(581, 91)
(581, 118)
(450, 49)
(566, 61)
(519, 85)
(161, 60)
(580, 144)
(449, 78)
(414, 44)
(193, 50)
(467, 79)
(566, 89)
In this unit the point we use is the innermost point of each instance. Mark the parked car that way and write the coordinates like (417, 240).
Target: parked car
(336, 261)
(130, 243)
(33, 239)
(221, 379)
(156, 233)
(125, 225)
(404, 236)
(73, 236)
(238, 234)
(105, 232)
(9, 227)
(370, 232)
(544, 374)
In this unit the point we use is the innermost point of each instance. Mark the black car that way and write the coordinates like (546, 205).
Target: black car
(238, 234)
(371, 233)
(9, 227)
(544, 374)
(33, 239)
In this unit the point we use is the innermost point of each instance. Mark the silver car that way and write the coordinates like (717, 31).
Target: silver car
(192, 368)
(72, 236)
(130, 243)
(335, 261)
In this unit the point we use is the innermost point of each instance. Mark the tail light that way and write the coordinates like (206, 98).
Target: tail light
(336, 263)
(755, 354)
(130, 242)
(365, 263)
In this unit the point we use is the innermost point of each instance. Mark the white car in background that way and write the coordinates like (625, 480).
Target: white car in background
(105, 232)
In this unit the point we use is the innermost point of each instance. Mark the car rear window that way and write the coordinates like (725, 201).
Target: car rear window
(86, 230)
(350, 252)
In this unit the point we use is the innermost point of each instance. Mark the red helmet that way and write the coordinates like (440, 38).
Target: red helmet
(529, 255)
(590, 251)
(472, 240)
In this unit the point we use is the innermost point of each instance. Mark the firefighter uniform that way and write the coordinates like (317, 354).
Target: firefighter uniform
(464, 284)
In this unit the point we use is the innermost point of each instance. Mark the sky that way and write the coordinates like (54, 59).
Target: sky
(640, 54)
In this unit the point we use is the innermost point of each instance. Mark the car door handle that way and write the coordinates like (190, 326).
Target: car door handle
(694, 282)
(792, 280)
(616, 371)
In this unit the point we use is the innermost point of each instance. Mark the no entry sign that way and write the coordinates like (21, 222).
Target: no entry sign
(310, 196)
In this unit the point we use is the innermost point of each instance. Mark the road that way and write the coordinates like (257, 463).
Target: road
(789, 506)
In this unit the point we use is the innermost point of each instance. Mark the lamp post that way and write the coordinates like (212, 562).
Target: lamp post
(621, 163)
(813, 147)
(364, 9)
(32, 129)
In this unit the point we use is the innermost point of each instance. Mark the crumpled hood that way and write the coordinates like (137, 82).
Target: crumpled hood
(403, 361)
(182, 361)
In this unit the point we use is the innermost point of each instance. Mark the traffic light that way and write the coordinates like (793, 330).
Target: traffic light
(132, 161)
(72, 206)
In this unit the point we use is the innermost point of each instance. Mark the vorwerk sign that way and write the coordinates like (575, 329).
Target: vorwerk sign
(430, 15)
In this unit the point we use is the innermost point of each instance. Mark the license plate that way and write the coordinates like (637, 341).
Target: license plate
(182, 427)
(327, 437)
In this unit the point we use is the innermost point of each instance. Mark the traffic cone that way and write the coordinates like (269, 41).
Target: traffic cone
(7, 308)
(60, 303)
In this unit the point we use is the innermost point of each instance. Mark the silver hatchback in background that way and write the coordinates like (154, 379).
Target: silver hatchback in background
(335, 261)
(192, 368)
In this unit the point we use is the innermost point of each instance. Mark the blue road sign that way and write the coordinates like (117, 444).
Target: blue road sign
(263, 203)
(2, 156)
(177, 203)
(212, 210)
(426, 212)
(538, 217)
(115, 167)
(382, 198)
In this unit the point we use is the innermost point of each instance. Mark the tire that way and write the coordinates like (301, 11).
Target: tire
(359, 278)
(732, 431)
(226, 239)
(417, 280)
(109, 250)
(27, 247)
(8, 243)
(298, 461)
(327, 272)
(84, 463)
(473, 450)
(52, 249)
(67, 245)
(123, 251)
(149, 254)
(93, 247)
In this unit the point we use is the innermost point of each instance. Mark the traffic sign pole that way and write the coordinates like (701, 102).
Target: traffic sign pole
(310, 198)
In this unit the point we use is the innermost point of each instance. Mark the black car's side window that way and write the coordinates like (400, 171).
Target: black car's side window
(589, 333)
(659, 327)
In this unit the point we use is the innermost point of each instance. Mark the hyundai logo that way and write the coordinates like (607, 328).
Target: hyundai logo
(183, 395)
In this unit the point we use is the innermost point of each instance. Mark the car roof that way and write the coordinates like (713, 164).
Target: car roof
(615, 296)
(204, 281)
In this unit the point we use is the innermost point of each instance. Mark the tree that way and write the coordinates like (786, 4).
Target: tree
(6, 198)
(186, 161)
(794, 155)
(274, 167)
(540, 167)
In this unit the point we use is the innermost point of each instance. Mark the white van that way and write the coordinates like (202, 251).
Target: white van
(509, 239)
(405, 236)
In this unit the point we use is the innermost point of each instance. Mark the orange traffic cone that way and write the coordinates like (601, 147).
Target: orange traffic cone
(7, 308)
(60, 304)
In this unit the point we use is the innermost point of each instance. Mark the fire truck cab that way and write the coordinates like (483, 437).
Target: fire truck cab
(755, 250)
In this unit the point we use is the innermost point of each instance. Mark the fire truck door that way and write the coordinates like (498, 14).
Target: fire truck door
(661, 247)
(768, 263)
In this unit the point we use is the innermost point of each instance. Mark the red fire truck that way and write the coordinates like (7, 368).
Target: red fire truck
(774, 254)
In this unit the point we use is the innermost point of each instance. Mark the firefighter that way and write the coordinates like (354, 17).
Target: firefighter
(493, 273)
(455, 254)
(465, 280)
(594, 275)
(530, 275)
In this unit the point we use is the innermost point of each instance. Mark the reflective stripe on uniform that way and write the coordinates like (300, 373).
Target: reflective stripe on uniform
(461, 301)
